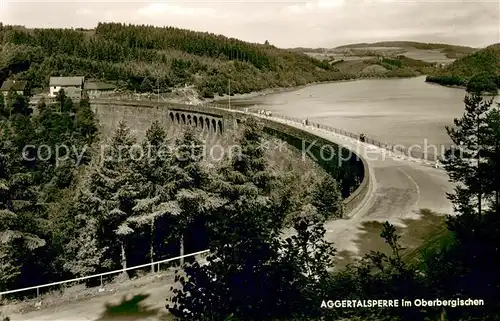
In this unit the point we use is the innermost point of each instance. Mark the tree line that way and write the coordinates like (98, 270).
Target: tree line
(143, 58)
(477, 71)
(147, 59)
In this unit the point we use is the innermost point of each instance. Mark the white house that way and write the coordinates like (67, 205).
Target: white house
(72, 86)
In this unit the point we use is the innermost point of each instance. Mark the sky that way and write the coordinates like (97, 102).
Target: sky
(307, 23)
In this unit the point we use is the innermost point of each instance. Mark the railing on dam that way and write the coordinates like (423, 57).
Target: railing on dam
(355, 197)
(395, 148)
(334, 159)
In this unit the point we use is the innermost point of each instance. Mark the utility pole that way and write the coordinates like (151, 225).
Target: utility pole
(158, 89)
(229, 101)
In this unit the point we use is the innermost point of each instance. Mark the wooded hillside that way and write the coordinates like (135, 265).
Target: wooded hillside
(483, 64)
(145, 58)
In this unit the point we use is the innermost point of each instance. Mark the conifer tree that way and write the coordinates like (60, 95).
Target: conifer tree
(327, 199)
(113, 189)
(86, 252)
(20, 233)
(251, 275)
(61, 99)
(465, 163)
(85, 122)
(156, 187)
(3, 109)
(191, 183)
(120, 170)
(492, 156)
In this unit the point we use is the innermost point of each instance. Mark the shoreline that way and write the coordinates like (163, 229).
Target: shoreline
(189, 95)
(447, 86)
(279, 90)
(485, 94)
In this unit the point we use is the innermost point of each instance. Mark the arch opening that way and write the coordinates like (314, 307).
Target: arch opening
(219, 127)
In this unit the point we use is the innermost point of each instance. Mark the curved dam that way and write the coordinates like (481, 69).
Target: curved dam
(339, 161)
(377, 185)
(397, 187)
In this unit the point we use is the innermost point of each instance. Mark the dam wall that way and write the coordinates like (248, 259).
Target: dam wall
(350, 171)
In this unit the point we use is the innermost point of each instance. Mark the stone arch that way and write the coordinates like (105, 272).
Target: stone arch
(177, 118)
(171, 114)
(195, 120)
(214, 125)
(183, 118)
(202, 122)
(219, 127)
(207, 122)
(189, 119)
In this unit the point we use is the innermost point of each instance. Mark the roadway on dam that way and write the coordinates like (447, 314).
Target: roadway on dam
(399, 189)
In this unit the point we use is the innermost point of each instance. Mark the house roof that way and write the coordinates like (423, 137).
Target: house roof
(98, 86)
(17, 85)
(66, 81)
(72, 92)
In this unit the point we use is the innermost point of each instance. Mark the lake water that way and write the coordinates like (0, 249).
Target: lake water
(400, 111)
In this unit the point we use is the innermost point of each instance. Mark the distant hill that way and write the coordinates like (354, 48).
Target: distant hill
(404, 44)
(144, 59)
(302, 49)
(451, 51)
(484, 63)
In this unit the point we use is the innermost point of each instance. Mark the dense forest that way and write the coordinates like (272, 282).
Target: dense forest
(147, 58)
(479, 69)
(68, 209)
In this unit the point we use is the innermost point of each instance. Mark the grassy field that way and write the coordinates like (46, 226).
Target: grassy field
(419, 237)
(434, 53)
(431, 56)
(428, 55)
(484, 63)
(449, 51)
